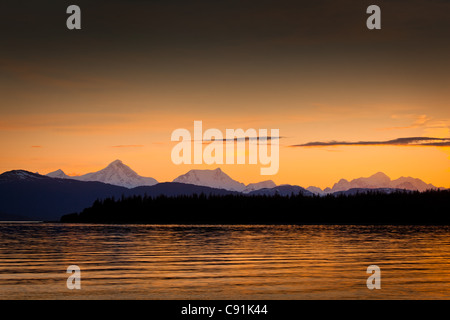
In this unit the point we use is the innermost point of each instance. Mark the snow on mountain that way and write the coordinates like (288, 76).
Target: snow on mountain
(355, 191)
(116, 173)
(379, 181)
(58, 174)
(259, 185)
(411, 184)
(219, 179)
(211, 178)
(15, 175)
(119, 174)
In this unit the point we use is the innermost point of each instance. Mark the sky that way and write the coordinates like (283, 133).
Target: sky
(340, 94)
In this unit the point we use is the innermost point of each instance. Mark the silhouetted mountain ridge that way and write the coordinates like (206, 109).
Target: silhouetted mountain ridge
(43, 198)
(39, 197)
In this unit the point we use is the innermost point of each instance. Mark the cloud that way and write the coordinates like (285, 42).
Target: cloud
(418, 121)
(268, 138)
(409, 141)
(36, 146)
(256, 140)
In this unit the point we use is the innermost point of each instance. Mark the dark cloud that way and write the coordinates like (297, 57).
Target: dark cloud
(409, 141)
(246, 139)
(249, 139)
(211, 46)
(233, 25)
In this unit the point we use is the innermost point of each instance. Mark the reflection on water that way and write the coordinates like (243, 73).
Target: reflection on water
(223, 262)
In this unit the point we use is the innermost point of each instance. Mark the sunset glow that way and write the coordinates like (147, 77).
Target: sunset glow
(79, 101)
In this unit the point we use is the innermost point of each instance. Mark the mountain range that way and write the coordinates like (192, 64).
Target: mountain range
(377, 181)
(119, 174)
(116, 173)
(219, 179)
(30, 196)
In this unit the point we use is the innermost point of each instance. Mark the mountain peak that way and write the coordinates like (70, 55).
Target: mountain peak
(116, 163)
(380, 179)
(116, 173)
(379, 175)
(20, 175)
(210, 178)
(267, 184)
(58, 174)
(119, 174)
(315, 190)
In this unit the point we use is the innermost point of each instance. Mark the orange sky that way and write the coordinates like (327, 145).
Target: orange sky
(118, 88)
(81, 143)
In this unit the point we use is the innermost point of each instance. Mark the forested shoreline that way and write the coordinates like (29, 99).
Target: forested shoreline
(430, 207)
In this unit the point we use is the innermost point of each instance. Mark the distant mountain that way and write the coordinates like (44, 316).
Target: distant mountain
(219, 179)
(40, 197)
(210, 178)
(119, 174)
(411, 184)
(30, 195)
(43, 198)
(316, 190)
(116, 173)
(259, 185)
(376, 181)
(355, 191)
(59, 174)
(283, 190)
(20, 175)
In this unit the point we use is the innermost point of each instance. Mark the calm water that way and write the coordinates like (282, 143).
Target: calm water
(223, 262)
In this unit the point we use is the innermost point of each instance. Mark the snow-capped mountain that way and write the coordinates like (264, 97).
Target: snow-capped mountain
(28, 196)
(58, 174)
(355, 191)
(219, 179)
(259, 185)
(119, 174)
(116, 173)
(411, 184)
(376, 181)
(16, 175)
(211, 178)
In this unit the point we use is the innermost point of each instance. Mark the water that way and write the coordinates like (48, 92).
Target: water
(223, 262)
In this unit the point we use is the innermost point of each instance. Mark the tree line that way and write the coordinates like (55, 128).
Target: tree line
(430, 207)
